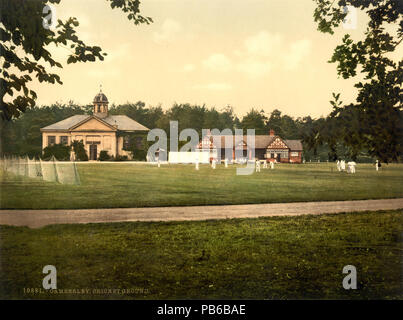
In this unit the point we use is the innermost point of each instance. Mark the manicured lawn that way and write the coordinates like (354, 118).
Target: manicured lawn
(138, 185)
(265, 258)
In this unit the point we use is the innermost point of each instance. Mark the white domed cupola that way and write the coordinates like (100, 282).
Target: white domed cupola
(100, 105)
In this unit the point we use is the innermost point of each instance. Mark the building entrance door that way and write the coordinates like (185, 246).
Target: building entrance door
(93, 152)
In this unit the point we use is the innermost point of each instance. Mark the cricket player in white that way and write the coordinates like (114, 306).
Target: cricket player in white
(351, 167)
(257, 165)
(338, 165)
(353, 164)
(226, 162)
(271, 165)
(213, 162)
(377, 165)
(343, 165)
(265, 164)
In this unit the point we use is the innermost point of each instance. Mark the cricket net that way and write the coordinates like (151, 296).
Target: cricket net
(52, 170)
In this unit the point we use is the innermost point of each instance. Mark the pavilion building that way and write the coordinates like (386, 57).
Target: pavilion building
(271, 148)
(99, 131)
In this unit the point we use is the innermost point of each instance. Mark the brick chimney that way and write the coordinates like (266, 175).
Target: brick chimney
(271, 132)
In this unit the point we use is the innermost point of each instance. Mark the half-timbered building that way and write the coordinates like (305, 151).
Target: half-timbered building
(271, 148)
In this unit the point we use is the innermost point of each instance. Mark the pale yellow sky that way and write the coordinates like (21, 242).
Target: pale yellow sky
(264, 54)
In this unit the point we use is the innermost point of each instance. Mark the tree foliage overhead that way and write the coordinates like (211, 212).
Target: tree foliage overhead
(374, 121)
(24, 48)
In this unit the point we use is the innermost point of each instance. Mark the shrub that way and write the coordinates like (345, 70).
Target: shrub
(121, 158)
(139, 155)
(104, 156)
(60, 151)
(137, 145)
(79, 151)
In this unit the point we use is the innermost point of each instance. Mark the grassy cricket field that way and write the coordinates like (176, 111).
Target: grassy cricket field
(111, 185)
(265, 258)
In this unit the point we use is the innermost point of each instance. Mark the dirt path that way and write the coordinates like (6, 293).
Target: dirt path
(40, 218)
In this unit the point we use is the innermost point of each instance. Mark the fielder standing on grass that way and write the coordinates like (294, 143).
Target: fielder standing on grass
(257, 165)
(213, 163)
(351, 167)
(353, 164)
(338, 165)
(377, 165)
(343, 165)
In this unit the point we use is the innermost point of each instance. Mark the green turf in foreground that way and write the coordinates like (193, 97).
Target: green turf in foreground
(265, 258)
(141, 185)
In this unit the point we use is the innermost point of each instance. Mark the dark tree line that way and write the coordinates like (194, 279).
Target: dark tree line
(22, 136)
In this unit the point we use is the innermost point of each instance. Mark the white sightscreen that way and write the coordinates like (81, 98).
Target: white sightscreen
(189, 157)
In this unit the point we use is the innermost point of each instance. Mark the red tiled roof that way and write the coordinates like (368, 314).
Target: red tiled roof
(294, 145)
(261, 141)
